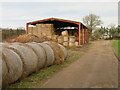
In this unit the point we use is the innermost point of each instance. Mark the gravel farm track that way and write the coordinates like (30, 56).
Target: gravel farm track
(97, 68)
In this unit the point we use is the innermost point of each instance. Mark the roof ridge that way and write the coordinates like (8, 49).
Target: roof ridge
(54, 18)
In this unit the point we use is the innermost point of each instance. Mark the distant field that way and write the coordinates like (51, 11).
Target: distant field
(116, 46)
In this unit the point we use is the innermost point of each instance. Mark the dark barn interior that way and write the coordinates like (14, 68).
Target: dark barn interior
(62, 26)
(74, 28)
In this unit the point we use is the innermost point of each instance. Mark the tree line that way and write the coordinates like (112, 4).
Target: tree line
(11, 33)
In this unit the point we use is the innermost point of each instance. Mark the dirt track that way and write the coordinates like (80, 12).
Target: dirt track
(98, 68)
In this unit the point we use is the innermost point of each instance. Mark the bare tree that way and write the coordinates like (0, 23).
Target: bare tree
(113, 30)
(91, 21)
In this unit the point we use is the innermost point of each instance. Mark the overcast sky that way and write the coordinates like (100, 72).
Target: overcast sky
(17, 14)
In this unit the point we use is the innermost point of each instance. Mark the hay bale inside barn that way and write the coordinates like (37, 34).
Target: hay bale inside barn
(60, 27)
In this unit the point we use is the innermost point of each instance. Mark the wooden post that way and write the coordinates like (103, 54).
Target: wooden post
(79, 34)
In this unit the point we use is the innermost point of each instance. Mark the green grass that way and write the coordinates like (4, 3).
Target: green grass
(37, 79)
(116, 46)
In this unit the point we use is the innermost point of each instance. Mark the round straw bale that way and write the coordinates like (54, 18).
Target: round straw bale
(0, 73)
(16, 43)
(14, 63)
(49, 54)
(64, 50)
(28, 57)
(5, 44)
(4, 72)
(40, 52)
(64, 33)
(59, 55)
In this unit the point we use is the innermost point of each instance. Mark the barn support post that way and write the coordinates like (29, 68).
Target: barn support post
(88, 36)
(85, 36)
(27, 28)
(79, 34)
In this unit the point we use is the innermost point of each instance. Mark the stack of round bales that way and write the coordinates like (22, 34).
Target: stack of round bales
(72, 41)
(19, 60)
(65, 38)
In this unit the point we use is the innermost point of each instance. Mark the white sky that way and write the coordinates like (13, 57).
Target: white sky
(17, 14)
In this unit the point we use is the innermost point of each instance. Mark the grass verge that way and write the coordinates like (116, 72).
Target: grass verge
(37, 79)
(116, 46)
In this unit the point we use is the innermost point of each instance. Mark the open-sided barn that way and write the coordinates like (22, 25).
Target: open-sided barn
(55, 26)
